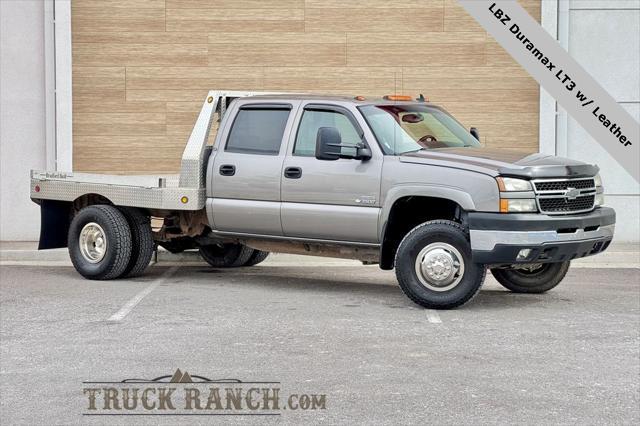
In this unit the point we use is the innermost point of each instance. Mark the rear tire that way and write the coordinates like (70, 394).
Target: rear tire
(538, 280)
(226, 255)
(142, 245)
(258, 256)
(99, 242)
(434, 267)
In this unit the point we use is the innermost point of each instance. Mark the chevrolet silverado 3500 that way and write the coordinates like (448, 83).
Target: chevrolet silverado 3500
(393, 181)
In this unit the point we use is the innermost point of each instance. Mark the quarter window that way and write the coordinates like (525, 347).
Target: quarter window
(257, 131)
(312, 120)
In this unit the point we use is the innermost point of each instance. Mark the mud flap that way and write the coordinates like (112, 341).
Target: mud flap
(54, 224)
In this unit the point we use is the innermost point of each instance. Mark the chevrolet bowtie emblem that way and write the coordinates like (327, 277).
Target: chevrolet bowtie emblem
(572, 193)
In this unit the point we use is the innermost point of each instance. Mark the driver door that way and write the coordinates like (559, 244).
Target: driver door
(330, 200)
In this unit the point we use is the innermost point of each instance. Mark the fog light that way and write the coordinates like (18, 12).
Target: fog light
(523, 254)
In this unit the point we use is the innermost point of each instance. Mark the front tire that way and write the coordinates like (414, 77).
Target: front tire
(538, 279)
(99, 242)
(434, 267)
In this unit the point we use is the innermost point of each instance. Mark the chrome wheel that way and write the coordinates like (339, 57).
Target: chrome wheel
(439, 266)
(92, 242)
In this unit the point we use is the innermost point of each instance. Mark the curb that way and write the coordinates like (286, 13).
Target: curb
(622, 256)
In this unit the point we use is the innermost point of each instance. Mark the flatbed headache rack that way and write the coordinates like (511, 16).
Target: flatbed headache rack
(185, 191)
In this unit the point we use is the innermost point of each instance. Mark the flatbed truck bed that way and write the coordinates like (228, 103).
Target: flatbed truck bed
(184, 191)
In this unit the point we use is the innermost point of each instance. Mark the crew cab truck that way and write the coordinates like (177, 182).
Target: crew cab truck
(394, 181)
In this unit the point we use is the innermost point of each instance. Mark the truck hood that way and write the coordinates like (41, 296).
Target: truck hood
(503, 162)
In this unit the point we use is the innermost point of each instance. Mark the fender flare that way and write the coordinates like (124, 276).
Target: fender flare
(455, 194)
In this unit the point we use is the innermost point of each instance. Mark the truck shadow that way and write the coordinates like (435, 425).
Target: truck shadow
(496, 299)
(377, 286)
(368, 285)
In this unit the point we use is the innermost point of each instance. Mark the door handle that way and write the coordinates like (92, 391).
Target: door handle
(293, 172)
(227, 170)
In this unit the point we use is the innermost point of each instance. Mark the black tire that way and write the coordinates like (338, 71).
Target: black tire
(538, 280)
(258, 256)
(118, 242)
(178, 245)
(453, 235)
(226, 255)
(142, 245)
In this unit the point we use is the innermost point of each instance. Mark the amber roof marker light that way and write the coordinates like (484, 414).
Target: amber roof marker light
(397, 98)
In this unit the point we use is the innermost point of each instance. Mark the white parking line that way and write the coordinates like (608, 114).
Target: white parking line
(433, 317)
(128, 307)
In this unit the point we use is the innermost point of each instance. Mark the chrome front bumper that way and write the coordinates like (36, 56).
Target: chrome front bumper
(502, 238)
(488, 240)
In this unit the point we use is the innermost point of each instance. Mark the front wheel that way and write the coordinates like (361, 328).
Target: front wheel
(434, 267)
(535, 278)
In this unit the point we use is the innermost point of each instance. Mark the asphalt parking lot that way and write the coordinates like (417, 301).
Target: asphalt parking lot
(348, 332)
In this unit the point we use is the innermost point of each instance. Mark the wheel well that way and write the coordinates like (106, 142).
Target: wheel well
(89, 200)
(409, 212)
(56, 216)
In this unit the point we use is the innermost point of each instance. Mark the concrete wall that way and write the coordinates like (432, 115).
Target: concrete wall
(604, 37)
(22, 114)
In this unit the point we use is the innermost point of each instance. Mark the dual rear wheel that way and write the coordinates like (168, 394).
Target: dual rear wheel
(107, 242)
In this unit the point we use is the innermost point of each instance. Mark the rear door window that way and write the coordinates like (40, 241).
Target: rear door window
(258, 131)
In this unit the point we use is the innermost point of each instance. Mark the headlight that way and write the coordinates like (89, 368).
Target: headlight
(513, 184)
(599, 201)
(517, 205)
(598, 180)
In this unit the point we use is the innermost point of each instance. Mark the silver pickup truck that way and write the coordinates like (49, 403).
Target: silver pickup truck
(395, 181)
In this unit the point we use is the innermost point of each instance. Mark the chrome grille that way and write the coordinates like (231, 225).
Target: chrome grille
(562, 185)
(562, 205)
(565, 196)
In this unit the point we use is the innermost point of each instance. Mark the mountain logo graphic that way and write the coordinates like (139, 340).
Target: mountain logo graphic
(180, 377)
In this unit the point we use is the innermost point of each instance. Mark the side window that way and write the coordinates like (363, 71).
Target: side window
(257, 131)
(312, 120)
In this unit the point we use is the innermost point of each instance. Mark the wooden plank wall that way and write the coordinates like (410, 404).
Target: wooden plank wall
(141, 68)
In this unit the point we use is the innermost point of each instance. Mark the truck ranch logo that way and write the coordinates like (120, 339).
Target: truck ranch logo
(186, 394)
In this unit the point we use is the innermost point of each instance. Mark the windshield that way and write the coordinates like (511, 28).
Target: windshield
(404, 128)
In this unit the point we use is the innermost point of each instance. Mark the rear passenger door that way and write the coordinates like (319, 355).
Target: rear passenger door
(247, 168)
